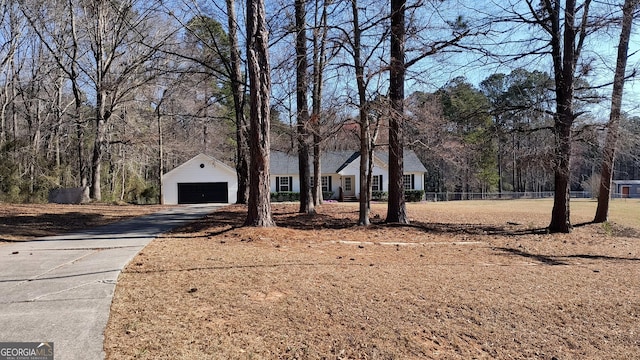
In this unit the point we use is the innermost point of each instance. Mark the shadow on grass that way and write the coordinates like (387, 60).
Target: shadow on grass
(314, 221)
(233, 217)
(348, 219)
(543, 259)
(286, 216)
(472, 229)
(561, 260)
(227, 218)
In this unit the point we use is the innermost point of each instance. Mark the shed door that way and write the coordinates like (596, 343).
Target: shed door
(202, 193)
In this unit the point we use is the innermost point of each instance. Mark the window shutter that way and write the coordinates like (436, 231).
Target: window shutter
(330, 187)
(413, 181)
(290, 183)
(380, 184)
(277, 184)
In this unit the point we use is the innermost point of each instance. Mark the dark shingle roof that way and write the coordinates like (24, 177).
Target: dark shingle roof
(333, 162)
(281, 163)
(410, 160)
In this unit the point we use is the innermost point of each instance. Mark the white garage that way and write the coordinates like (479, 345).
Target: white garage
(201, 180)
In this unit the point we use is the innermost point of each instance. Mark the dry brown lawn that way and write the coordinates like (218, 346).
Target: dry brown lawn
(20, 222)
(467, 280)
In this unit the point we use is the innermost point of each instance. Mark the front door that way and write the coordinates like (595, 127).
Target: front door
(625, 191)
(349, 185)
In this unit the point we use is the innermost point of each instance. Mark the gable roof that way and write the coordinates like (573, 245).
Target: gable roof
(201, 158)
(333, 162)
(282, 163)
(626, 182)
(410, 160)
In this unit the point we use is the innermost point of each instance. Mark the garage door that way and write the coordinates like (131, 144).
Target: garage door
(201, 193)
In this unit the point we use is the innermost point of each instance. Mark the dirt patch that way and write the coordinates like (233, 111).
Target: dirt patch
(464, 281)
(20, 222)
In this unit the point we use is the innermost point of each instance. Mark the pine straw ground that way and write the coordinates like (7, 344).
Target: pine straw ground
(467, 280)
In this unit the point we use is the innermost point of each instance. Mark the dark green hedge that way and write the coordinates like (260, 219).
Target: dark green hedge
(379, 195)
(413, 195)
(285, 196)
(409, 196)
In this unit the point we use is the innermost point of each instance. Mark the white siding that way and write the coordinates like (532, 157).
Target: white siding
(354, 169)
(295, 179)
(192, 172)
(418, 181)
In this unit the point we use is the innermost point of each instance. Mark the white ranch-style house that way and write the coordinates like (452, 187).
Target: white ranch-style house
(340, 173)
(204, 179)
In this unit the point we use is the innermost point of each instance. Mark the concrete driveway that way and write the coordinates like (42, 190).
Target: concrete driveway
(59, 289)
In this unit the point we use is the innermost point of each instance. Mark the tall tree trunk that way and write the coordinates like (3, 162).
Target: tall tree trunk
(560, 214)
(565, 56)
(77, 97)
(98, 147)
(7, 95)
(500, 168)
(14, 108)
(237, 90)
(160, 149)
(365, 143)
(56, 131)
(606, 173)
(302, 116)
(259, 207)
(396, 209)
(316, 191)
(319, 60)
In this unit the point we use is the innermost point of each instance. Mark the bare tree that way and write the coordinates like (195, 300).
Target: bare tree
(606, 173)
(320, 31)
(302, 118)
(365, 135)
(10, 42)
(259, 206)
(222, 61)
(63, 43)
(424, 47)
(238, 93)
(565, 26)
(567, 38)
(396, 209)
(114, 73)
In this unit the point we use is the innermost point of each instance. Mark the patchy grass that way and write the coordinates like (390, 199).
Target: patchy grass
(466, 280)
(20, 222)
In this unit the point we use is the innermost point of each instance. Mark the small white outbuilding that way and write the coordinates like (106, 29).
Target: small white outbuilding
(201, 180)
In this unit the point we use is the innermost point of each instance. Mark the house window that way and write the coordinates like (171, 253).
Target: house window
(347, 184)
(284, 183)
(325, 183)
(407, 181)
(376, 183)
